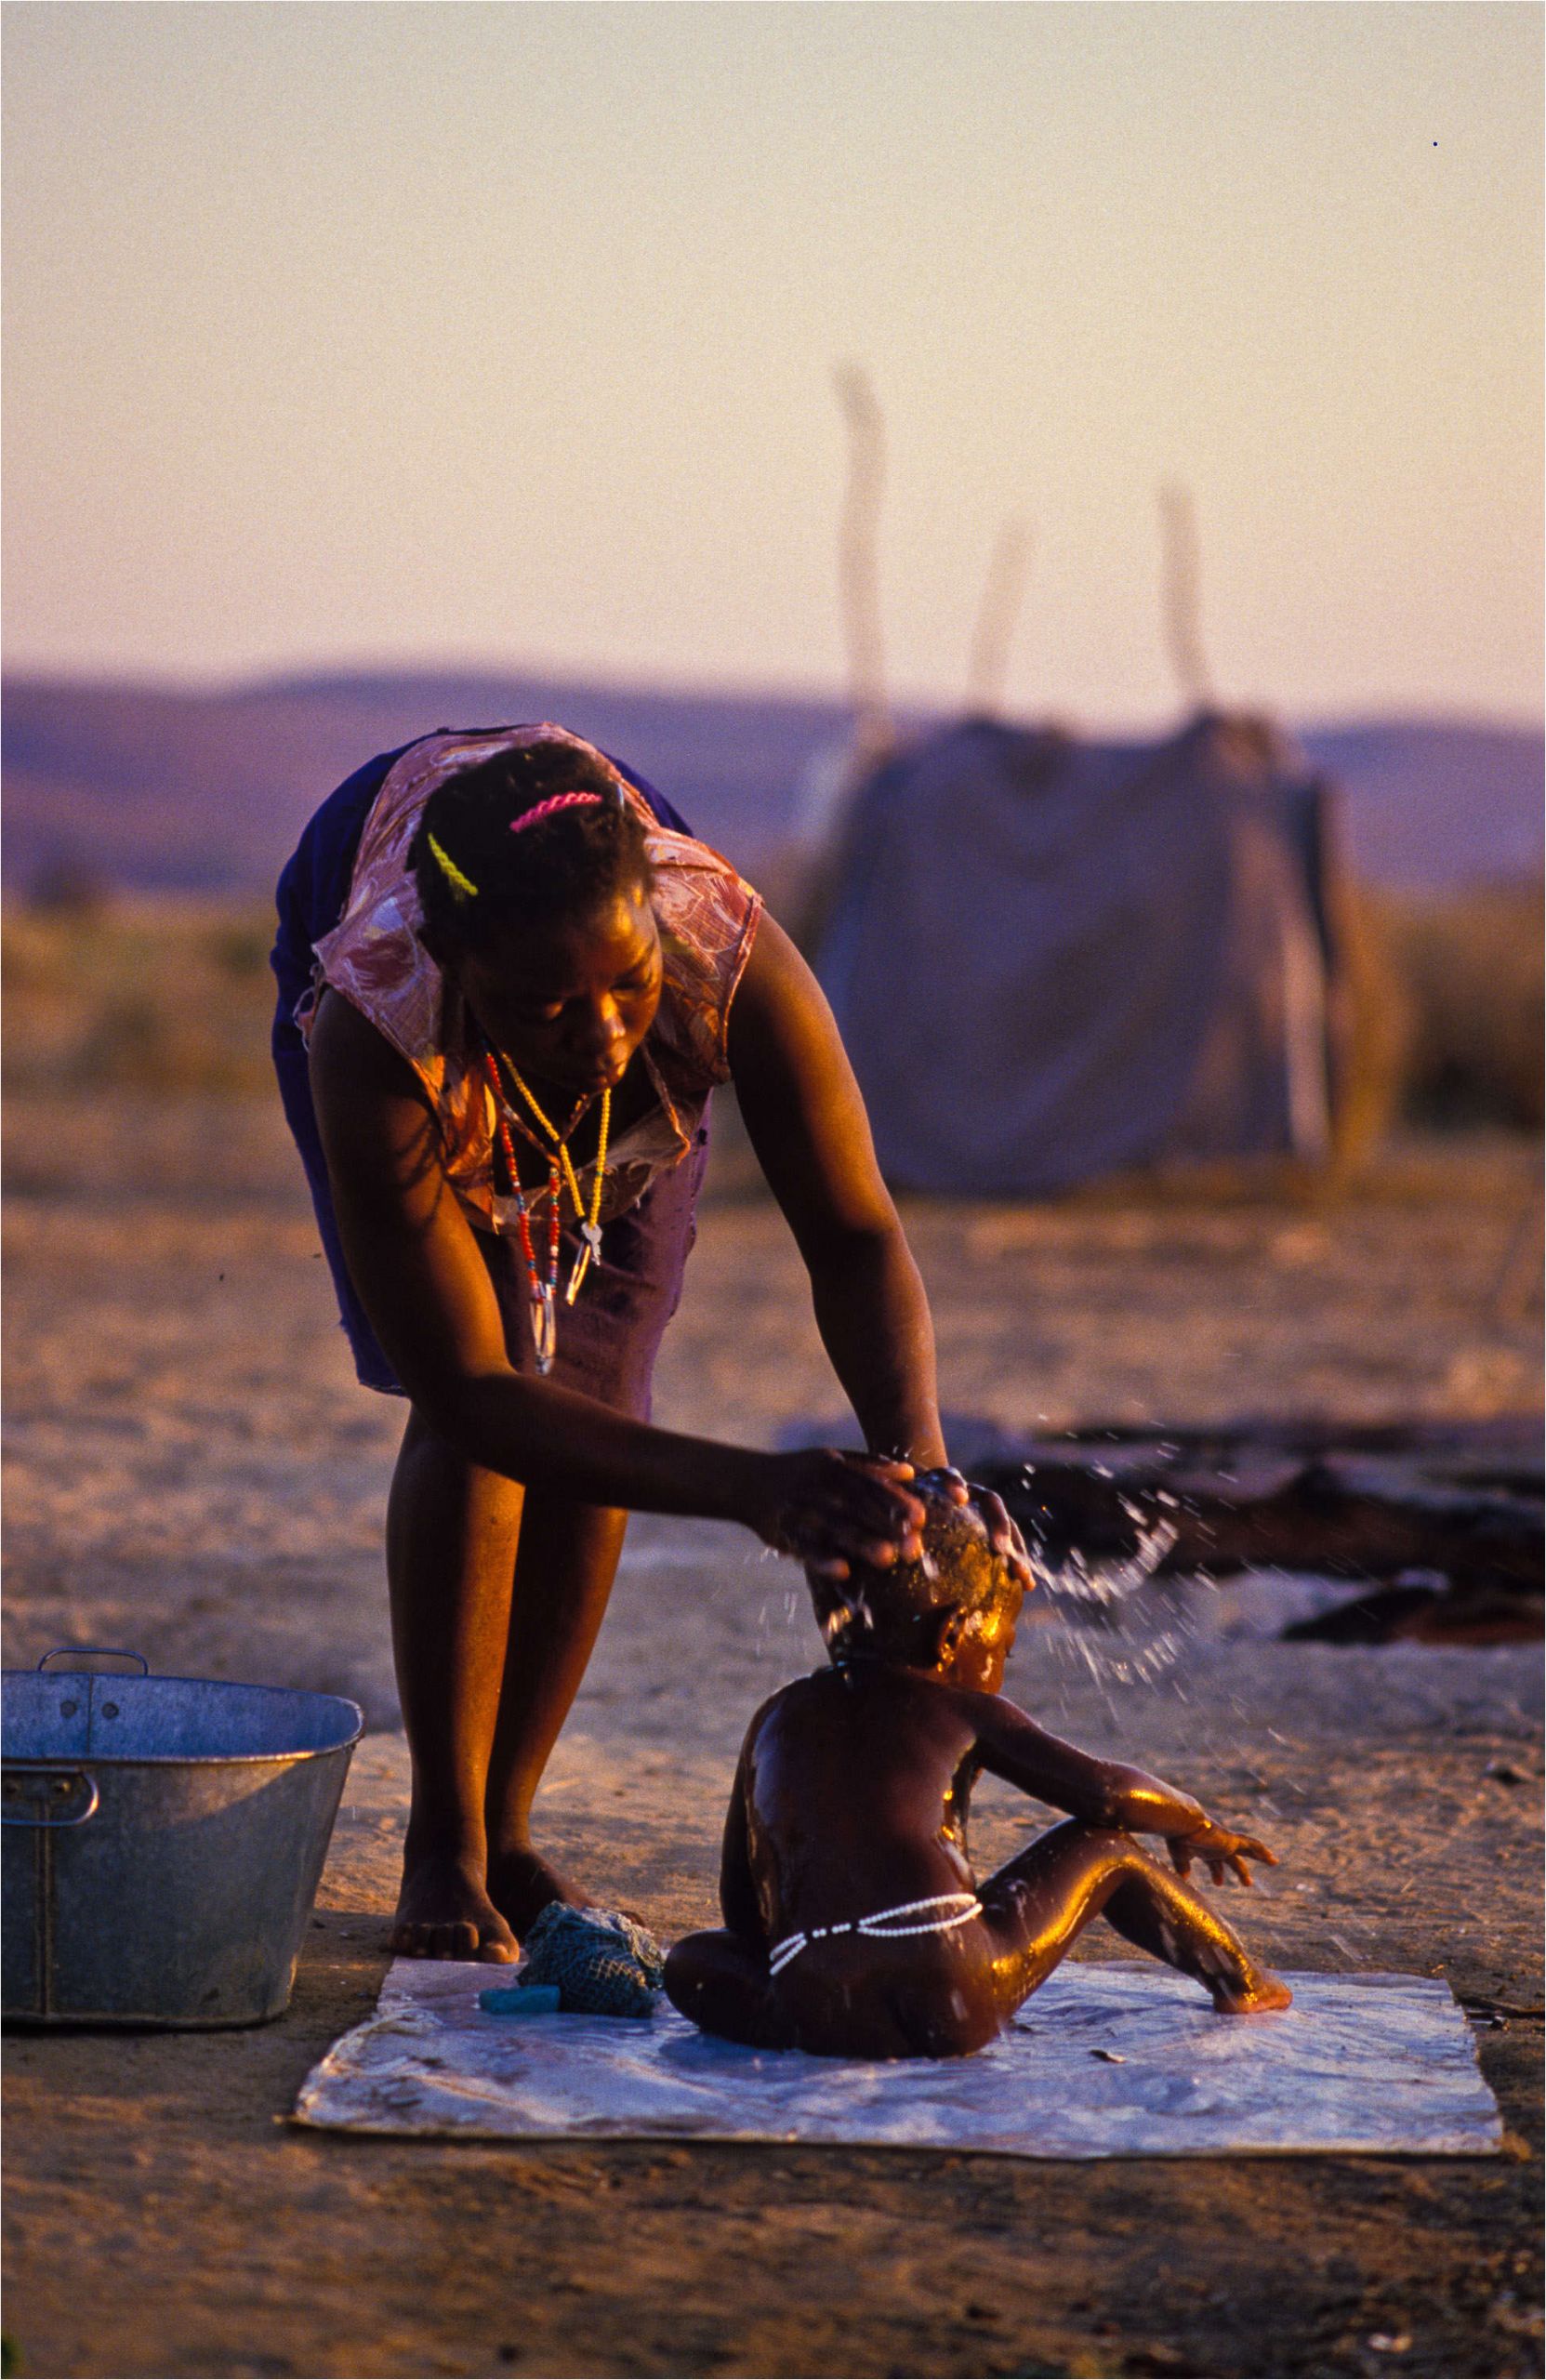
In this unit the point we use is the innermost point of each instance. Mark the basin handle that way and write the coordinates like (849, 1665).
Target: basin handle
(61, 1775)
(119, 1652)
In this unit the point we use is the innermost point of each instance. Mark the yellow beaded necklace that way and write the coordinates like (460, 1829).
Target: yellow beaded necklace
(590, 1227)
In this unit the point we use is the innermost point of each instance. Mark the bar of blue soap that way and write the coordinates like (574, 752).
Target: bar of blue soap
(521, 1999)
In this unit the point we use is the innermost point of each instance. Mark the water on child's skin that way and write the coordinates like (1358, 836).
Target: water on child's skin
(1106, 1628)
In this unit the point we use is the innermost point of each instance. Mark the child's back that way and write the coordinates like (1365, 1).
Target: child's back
(864, 1771)
(853, 1924)
(887, 1756)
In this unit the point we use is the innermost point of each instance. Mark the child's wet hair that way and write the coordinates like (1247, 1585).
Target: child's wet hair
(478, 873)
(882, 1611)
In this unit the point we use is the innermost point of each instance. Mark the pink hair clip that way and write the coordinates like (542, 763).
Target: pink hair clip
(546, 808)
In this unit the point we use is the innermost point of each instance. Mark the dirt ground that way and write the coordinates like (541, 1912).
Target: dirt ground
(193, 1471)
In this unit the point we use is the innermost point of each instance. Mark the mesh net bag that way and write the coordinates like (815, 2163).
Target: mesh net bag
(603, 1963)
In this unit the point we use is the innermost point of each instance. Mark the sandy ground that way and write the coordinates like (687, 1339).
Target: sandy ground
(193, 1471)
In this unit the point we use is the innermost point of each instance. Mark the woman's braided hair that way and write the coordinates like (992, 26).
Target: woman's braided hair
(478, 873)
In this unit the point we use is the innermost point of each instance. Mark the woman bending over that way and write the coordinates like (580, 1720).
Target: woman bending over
(509, 979)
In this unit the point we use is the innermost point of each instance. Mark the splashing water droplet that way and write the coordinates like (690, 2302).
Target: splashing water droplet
(1105, 1581)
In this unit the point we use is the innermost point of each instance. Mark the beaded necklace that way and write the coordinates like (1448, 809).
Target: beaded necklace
(561, 1171)
(591, 1228)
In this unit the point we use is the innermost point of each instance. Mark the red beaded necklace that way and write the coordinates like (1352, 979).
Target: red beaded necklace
(544, 1294)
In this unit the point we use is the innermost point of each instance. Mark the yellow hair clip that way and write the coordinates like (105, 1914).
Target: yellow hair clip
(461, 885)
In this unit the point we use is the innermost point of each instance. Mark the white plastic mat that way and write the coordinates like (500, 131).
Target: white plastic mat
(1104, 2062)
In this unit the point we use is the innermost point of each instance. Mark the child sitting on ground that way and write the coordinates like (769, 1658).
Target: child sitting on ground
(854, 1926)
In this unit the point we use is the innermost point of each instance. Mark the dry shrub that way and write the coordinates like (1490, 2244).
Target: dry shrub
(1370, 1027)
(1469, 970)
(1442, 1023)
(164, 996)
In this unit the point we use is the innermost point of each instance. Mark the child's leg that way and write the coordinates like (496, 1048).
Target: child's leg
(1039, 1903)
(723, 1984)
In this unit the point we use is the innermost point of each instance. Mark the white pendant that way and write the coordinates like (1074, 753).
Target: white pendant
(591, 1236)
(545, 1329)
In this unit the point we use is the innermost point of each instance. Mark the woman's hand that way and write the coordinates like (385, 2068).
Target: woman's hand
(1218, 1849)
(1003, 1536)
(831, 1510)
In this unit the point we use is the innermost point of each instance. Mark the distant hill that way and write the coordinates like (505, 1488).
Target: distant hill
(1431, 804)
(153, 788)
(160, 789)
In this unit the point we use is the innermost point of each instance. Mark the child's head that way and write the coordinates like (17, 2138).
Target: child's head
(952, 1612)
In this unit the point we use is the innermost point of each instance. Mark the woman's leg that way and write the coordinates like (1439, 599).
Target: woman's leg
(1042, 1900)
(564, 1568)
(452, 1533)
(496, 1597)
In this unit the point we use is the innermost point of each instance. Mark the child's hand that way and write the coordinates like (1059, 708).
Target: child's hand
(1002, 1534)
(1218, 1849)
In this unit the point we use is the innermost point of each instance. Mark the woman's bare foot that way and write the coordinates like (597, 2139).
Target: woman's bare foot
(444, 1913)
(1258, 1991)
(522, 1883)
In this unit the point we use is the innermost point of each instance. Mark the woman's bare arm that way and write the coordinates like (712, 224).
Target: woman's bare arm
(806, 1119)
(416, 1264)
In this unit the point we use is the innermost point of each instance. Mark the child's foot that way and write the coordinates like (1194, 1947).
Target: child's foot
(1258, 1992)
(444, 1913)
(522, 1883)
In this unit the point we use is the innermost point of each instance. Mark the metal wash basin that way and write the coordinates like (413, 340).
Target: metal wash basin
(165, 1837)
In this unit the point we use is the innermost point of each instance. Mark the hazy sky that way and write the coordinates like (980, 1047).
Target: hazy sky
(505, 332)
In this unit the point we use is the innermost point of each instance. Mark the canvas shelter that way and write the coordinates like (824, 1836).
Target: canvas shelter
(1053, 959)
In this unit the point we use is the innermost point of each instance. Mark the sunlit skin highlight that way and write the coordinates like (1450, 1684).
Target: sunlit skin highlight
(852, 1797)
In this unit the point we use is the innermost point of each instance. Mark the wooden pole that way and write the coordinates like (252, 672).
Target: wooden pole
(858, 560)
(1182, 604)
(1003, 592)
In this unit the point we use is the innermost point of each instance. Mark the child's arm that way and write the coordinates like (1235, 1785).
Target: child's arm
(1107, 1793)
(738, 1902)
